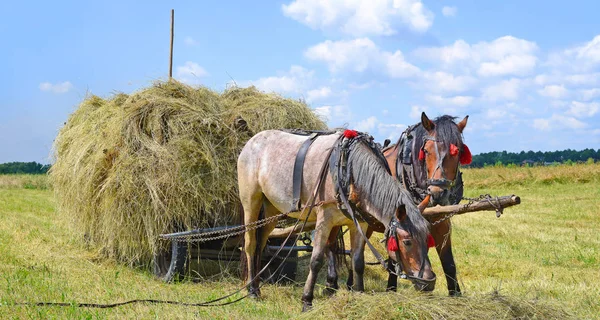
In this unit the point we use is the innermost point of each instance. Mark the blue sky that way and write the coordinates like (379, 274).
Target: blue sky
(526, 72)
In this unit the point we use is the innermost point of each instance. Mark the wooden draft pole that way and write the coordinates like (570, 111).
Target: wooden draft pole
(172, 36)
(431, 213)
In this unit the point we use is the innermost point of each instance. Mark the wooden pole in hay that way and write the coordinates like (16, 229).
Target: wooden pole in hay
(172, 36)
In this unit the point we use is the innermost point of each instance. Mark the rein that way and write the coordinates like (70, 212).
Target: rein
(340, 157)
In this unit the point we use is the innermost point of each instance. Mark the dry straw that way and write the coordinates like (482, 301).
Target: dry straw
(131, 167)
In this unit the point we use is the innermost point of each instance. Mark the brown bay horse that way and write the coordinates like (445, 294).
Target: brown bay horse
(426, 160)
(265, 168)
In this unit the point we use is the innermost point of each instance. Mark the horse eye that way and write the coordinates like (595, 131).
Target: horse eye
(407, 243)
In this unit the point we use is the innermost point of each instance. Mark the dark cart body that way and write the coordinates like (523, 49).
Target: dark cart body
(172, 264)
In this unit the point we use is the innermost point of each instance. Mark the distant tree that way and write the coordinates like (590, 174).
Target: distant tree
(23, 168)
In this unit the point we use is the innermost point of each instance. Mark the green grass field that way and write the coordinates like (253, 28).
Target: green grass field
(541, 259)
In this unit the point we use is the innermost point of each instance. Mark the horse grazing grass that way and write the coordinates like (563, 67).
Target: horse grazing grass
(265, 169)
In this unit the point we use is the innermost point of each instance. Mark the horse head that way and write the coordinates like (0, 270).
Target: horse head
(441, 151)
(409, 253)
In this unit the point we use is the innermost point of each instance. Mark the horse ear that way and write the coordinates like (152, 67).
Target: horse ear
(401, 212)
(462, 124)
(427, 124)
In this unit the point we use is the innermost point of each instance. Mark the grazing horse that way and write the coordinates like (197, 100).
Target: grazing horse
(426, 160)
(265, 168)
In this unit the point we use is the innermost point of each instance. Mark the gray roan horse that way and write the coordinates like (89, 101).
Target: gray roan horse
(265, 168)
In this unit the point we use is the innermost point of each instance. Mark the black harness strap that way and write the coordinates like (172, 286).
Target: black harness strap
(299, 169)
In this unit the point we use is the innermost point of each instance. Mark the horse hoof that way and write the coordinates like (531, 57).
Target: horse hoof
(306, 306)
(454, 293)
(329, 291)
(254, 294)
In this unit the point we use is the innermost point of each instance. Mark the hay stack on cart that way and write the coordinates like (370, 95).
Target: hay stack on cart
(131, 167)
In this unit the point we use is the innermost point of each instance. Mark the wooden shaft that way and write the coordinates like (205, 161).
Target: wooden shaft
(438, 211)
(172, 36)
(431, 213)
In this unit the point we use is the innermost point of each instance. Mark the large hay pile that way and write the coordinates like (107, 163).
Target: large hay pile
(131, 167)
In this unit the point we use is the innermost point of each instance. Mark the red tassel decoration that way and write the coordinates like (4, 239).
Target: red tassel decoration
(466, 157)
(421, 155)
(430, 241)
(392, 244)
(350, 134)
(453, 150)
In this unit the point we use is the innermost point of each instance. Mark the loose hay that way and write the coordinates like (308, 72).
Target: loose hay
(413, 305)
(131, 167)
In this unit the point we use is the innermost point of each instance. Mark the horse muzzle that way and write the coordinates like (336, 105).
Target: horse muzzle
(423, 284)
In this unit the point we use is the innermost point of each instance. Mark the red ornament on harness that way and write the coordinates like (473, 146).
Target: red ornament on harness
(453, 150)
(350, 134)
(421, 155)
(392, 244)
(430, 241)
(465, 157)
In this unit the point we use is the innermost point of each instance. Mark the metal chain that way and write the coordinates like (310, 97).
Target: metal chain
(486, 196)
(225, 233)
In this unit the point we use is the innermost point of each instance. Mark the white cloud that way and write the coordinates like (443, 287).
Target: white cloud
(459, 101)
(191, 73)
(449, 11)
(359, 55)
(588, 53)
(391, 131)
(504, 90)
(361, 17)
(557, 121)
(504, 56)
(580, 109)
(58, 88)
(295, 80)
(318, 94)
(416, 110)
(440, 81)
(495, 113)
(554, 91)
(368, 124)
(335, 115)
(589, 94)
(189, 41)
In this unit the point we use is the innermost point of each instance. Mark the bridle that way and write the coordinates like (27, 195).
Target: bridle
(444, 182)
(342, 180)
(398, 270)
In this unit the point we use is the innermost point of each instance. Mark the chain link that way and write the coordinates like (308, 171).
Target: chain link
(224, 233)
(486, 196)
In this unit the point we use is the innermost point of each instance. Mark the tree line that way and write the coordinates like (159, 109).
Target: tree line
(24, 168)
(534, 158)
(479, 160)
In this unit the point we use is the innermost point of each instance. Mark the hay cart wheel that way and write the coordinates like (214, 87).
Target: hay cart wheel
(170, 265)
(287, 272)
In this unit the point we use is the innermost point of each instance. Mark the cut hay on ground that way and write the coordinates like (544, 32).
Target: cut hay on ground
(413, 305)
(131, 167)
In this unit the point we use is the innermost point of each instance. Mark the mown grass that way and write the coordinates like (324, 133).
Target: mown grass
(541, 259)
(25, 181)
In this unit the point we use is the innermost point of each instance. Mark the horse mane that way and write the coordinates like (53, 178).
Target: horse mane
(446, 130)
(382, 190)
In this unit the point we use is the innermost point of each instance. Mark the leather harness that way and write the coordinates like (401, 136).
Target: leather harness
(405, 172)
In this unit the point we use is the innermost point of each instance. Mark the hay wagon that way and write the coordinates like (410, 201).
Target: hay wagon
(171, 264)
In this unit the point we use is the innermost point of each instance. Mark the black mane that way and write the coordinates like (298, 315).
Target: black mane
(382, 190)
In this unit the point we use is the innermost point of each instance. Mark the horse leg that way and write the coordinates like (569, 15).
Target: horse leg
(332, 254)
(264, 232)
(358, 258)
(441, 234)
(322, 231)
(252, 204)
(392, 284)
(350, 281)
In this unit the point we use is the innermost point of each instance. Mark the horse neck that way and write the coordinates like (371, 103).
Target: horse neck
(376, 190)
